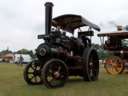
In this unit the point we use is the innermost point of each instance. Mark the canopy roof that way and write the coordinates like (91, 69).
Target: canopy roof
(70, 22)
(114, 34)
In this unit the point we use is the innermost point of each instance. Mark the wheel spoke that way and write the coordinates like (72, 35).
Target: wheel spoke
(59, 68)
(32, 67)
(31, 78)
(113, 70)
(35, 79)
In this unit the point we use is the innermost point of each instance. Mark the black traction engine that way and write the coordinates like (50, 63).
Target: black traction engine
(62, 55)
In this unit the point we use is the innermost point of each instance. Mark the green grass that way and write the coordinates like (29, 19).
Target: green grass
(12, 84)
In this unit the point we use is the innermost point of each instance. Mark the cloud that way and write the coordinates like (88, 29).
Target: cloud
(22, 20)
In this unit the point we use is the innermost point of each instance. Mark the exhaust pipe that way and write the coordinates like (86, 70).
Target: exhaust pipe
(48, 17)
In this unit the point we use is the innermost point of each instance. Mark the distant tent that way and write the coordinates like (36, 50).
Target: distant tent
(26, 58)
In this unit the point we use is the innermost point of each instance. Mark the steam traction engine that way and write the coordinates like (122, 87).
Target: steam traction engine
(116, 44)
(61, 56)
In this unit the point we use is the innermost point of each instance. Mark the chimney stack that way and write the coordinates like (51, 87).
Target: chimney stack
(48, 17)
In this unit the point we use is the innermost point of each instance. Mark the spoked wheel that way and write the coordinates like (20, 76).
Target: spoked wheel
(32, 73)
(54, 73)
(114, 65)
(91, 65)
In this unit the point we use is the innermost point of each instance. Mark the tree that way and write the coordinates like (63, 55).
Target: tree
(26, 51)
(101, 52)
(23, 51)
(5, 52)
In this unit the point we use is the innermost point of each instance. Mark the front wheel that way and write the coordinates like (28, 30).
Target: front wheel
(54, 73)
(32, 73)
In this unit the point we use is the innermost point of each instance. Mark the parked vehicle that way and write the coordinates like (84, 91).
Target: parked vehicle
(117, 45)
(22, 58)
(61, 56)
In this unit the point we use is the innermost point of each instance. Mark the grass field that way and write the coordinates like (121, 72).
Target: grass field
(12, 84)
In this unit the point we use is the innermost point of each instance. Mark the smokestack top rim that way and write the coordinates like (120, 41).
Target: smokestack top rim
(48, 4)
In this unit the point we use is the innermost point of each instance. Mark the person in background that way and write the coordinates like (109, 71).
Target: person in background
(21, 60)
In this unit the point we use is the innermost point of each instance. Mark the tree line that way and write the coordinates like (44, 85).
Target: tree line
(21, 51)
(101, 52)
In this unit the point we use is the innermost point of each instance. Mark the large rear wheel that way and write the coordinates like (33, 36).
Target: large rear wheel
(91, 65)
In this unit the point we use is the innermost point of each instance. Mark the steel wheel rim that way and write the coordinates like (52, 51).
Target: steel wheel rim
(33, 73)
(55, 74)
(114, 65)
(93, 66)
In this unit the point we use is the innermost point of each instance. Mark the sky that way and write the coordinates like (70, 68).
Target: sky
(22, 20)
